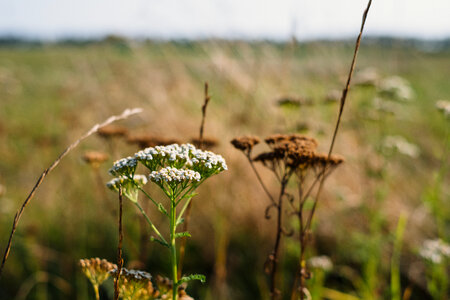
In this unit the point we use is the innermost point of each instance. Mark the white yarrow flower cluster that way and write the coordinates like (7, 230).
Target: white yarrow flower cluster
(139, 180)
(130, 185)
(435, 250)
(170, 175)
(206, 163)
(124, 166)
(206, 160)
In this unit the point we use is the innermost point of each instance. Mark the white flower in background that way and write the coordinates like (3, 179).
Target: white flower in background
(444, 106)
(400, 144)
(321, 262)
(130, 186)
(396, 87)
(125, 166)
(435, 251)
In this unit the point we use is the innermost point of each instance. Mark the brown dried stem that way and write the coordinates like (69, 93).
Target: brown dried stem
(341, 110)
(304, 229)
(187, 215)
(119, 248)
(127, 113)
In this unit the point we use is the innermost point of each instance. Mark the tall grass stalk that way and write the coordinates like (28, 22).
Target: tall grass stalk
(396, 293)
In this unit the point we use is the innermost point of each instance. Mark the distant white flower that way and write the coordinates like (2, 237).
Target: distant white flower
(444, 106)
(400, 144)
(173, 175)
(397, 87)
(435, 251)
(125, 166)
(321, 262)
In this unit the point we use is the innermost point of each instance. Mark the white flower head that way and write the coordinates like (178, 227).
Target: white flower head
(162, 156)
(130, 186)
(174, 176)
(435, 251)
(125, 166)
(206, 163)
(184, 156)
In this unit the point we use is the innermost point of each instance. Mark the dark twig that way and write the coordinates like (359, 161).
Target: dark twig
(323, 174)
(187, 215)
(341, 110)
(127, 113)
(119, 248)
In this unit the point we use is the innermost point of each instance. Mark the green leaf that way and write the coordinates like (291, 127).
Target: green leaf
(180, 221)
(162, 209)
(184, 279)
(153, 239)
(182, 234)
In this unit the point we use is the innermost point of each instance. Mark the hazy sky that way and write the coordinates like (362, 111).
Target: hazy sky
(277, 19)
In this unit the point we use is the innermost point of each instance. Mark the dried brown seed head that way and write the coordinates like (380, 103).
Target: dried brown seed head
(110, 131)
(95, 158)
(322, 159)
(245, 143)
(206, 143)
(149, 140)
(275, 138)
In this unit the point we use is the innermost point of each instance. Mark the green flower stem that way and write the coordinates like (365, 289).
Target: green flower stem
(193, 187)
(97, 294)
(173, 249)
(148, 196)
(150, 222)
(184, 208)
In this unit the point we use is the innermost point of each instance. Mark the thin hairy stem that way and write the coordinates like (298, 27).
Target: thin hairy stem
(119, 248)
(127, 113)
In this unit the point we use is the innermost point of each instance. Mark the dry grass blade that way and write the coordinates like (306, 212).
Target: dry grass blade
(341, 110)
(119, 249)
(127, 113)
(205, 105)
(189, 208)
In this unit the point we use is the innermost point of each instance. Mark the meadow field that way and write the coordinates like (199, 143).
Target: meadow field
(377, 211)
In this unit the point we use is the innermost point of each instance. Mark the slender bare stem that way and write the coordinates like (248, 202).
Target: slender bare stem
(127, 113)
(183, 241)
(260, 180)
(274, 292)
(341, 110)
(119, 248)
